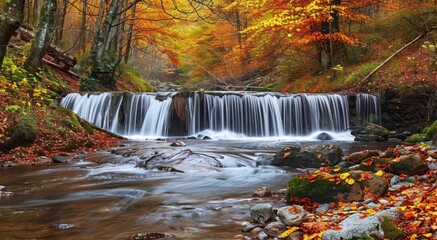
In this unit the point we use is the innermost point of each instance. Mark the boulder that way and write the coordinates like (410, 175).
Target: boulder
(409, 164)
(376, 185)
(357, 157)
(275, 229)
(355, 227)
(59, 159)
(324, 136)
(178, 143)
(370, 132)
(308, 157)
(322, 190)
(261, 213)
(292, 216)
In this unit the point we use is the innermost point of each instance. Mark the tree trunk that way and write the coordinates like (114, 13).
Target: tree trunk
(83, 27)
(9, 24)
(44, 36)
(61, 21)
(97, 33)
(130, 34)
(35, 11)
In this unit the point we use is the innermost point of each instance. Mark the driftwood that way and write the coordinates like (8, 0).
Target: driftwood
(55, 56)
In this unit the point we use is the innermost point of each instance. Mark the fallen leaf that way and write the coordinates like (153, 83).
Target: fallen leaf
(315, 227)
(289, 232)
(319, 156)
(350, 181)
(379, 173)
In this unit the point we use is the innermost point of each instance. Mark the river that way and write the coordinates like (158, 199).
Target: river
(107, 197)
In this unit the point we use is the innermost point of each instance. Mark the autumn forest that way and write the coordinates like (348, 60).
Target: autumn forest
(218, 119)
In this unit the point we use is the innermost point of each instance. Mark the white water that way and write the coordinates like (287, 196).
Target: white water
(226, 115)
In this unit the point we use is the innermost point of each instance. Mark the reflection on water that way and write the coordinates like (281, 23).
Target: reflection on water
(113, 200)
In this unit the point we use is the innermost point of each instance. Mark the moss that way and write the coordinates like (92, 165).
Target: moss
(390, 230)
(416, 138)
(373, 167)
(432, 130)
(24, 131)
(321, 191)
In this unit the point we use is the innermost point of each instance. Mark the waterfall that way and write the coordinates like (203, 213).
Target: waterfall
(368, 109)
(269, 115)
(125, 114)
(244, 113)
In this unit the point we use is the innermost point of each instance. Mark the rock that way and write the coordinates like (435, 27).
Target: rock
(324, 136)
(298, 235)
(178, 143)
(410, 165)
(432, 166)
(322, 190)
(6, 194)
(308, 157)
(247, 227)
(323, 208)
(256, 230)
(152, 235)
(261, 213)
(63, 226)
(241, 237)
(370, 132)
(294, 217)
(376, 185)
(416, 138)
(354, 226)
(399, 185)
(432, 153)
(367, 201)
(262, 192)
(2, 188)
(357, 157)
(275, 229)
(262, 236)
(395, 180)
(59, 159)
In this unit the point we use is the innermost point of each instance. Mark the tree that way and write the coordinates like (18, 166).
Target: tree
(10, 23)
(305, 22)
(44, 36)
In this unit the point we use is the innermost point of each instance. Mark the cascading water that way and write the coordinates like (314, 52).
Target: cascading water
(242, 113)
(125, 114)
(368, 109)
(268, 115)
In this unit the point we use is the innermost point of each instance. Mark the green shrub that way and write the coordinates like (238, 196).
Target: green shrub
(87, 84)
(24, 131)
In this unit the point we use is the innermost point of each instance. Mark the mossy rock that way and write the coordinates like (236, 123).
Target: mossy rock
(416, 138)
(371, 165)
(432, 130)
(371, 132)
(308, 157)
(390, 230)
(322, 191)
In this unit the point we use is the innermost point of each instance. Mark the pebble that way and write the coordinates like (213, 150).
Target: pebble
(372, 205)
(2, 188)
(367, 201)
(247, 227)
(323, 207)
(63, 226)
(395, 180)
(347, 209)
(262, 236)
(383, 201)
(423, 178)
(432, 166)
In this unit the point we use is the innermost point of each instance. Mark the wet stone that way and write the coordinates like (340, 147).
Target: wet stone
(323, 208)
(261, 213)
(275, 229)
(247, 227)
(153, 235)
(262, 192)
(63, 226)
(262, 236)
(178, 144)
(294, 218)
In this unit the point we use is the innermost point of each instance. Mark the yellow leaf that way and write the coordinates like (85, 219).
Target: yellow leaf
(379, 173)
(413, 237)
(402, 208)
(319, 156)
(396, 160)
(428, 235)
(370, 211)
(344, 175)
(289, 232)
(350, 181)
(336, 169)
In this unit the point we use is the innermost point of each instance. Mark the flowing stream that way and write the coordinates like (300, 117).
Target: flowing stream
(106, 196)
